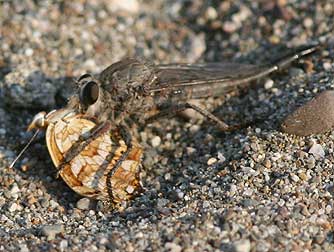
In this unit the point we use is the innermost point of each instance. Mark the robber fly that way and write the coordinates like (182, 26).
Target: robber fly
(134, 90)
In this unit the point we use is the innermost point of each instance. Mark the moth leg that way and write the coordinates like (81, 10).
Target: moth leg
(127, 138)
(180, 107)
(83, 141)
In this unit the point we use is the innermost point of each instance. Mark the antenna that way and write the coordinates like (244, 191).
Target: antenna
(24, 149)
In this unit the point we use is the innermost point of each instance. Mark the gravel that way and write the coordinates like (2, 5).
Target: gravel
(266, 190)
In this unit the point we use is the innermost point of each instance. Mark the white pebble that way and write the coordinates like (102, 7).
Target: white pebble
(269, 84)
(131, 6)
(327, 66)
(168, 176)
(211, 161)
(13, 207)
(242, 246)
(233, 189)
(15, 189)
(294, 177)
(63, 245)
(190, 150)
(29, 52)
(206, 204)
(155, 141)
(317, 151)
(180, 195)
(130, 189)
(221, 157)
(173, 247)
(308, 22)
(211, 13)
(248, 192)
(53, 204)
(194, 128)
(276, 156)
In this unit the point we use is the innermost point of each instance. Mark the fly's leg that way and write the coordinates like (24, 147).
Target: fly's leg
(223, 126)
(94, 133)
(83, 141)
(180, 107)
(126, 136)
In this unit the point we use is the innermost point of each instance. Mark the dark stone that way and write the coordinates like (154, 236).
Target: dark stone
(314, 117)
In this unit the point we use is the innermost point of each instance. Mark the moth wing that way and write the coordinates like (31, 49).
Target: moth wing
(84, 173)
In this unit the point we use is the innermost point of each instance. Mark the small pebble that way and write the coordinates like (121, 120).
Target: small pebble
(269, 84)
(327, 66)
(310, 162)
(267, 163)
(211, 161)
(190, 150)
(155, 141)
(194, 128)
(130, 189)
(211, 13)
(14, 207)
(221, 157)
(317, 151)
(180, 195)
(242, 246)
(131, 6)
(83, 204)
(173, 247)
(303, 176)
(63, 245)
(294, 177)
(206, 204)
(50, 231)
(23, 247)
(14, 191)
(308, 22)
(53, 204)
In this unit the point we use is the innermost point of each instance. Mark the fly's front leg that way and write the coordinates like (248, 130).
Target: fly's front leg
(82, 143)
(180, 107)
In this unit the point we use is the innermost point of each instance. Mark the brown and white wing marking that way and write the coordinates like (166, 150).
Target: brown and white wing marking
(85, 173)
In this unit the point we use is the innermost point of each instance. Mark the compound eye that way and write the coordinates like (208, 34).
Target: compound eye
(84, 76)
(89, 93)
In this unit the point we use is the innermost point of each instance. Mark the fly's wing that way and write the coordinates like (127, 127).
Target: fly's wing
(214, 79)
(202, 80)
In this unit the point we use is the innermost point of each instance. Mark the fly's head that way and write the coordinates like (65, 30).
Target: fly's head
(92, 98)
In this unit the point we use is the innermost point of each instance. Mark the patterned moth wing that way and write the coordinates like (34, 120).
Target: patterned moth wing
(84, 173)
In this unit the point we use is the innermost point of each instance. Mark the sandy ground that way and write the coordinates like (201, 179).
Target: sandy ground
(254, 189)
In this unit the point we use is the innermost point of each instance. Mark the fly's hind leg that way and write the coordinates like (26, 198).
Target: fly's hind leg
(126, 137)
(171, 111)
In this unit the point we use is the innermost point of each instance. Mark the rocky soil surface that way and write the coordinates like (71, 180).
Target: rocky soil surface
(253, 189)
